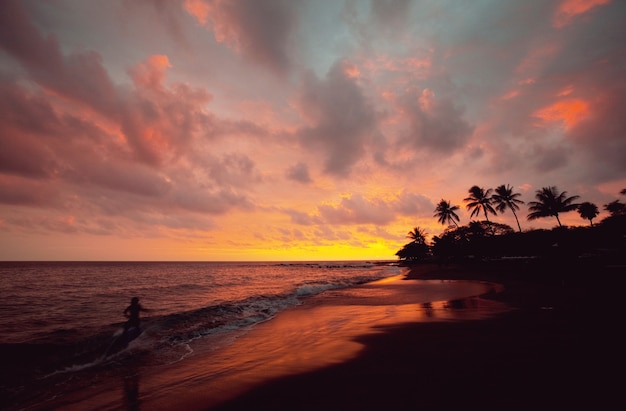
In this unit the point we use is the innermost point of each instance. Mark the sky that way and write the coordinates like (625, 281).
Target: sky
(273, 130)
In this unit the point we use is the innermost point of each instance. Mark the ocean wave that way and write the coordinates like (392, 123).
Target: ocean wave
(57, 347)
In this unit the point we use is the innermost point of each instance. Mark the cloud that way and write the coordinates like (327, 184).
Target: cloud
(260, 30)
(342, 121)
(412, 204)
(390, 13)
(568, 111)
(600, 137)
(301, 218)
(79, 76)
(154, 119)
(22, 191)
(160, 121)
(569, 9)
(299, 172)
(108, 148)
(232, 170)
(357, 209)
(172, 118)
(169, 14)
(433, 124)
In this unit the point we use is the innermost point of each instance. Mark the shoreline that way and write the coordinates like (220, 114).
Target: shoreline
(538, 351)
(558, 348)
(320, 333)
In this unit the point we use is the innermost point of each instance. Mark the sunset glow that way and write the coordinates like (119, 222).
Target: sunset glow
(272, 130)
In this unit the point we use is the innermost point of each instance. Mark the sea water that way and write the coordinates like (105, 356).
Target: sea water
(60, 318)
(64, 302)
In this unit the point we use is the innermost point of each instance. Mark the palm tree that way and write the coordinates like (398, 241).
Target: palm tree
(588, 211)
(478, 200)
(417, 235)
(550, 203)
(615, 207)
(445, 213)
(504, 198)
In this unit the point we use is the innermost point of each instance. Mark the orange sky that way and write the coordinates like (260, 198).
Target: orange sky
(269, 130)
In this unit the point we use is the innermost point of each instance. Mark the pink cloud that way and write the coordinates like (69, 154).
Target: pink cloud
(151, 73)
(433, 123)
(600, 136)
(299, 172)
(198, 9)
(134, 132)
(160, 122)
(358, 209)
(260, 30)
(569, 9)
(568, 111)
(74, 131)
(16, 190)
(342, 121)
(154, 119)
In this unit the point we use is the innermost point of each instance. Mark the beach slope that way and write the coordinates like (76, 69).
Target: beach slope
(559, 348)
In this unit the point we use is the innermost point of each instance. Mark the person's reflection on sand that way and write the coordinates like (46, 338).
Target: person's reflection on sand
(428, 309)
(131, 391)
(456, 304)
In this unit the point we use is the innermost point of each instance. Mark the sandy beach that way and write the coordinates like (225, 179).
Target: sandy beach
(521, 340)
(559, 348)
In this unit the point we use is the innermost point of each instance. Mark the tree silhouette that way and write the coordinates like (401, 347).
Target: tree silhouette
(446, 213)
(504, 198)
(588, 211)
(550, 203)
(480, 200)
(416, 249)
(616, 207)
(417, 235)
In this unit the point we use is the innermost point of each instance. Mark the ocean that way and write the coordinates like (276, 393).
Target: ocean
(60, 319)
(209, 329)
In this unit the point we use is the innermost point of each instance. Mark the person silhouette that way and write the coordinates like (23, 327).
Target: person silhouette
(132, 313)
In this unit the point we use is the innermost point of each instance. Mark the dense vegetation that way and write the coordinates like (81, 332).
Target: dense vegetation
(486, 240)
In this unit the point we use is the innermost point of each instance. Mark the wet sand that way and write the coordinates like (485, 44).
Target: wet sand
(560, 348)
(538, 343)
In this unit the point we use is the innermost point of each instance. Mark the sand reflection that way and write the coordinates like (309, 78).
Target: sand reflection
(321, 332)
(325, 330)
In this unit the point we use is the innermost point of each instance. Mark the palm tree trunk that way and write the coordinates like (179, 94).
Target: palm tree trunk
(517, 220)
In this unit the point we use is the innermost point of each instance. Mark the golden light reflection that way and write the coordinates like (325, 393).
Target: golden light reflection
(326, 329)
